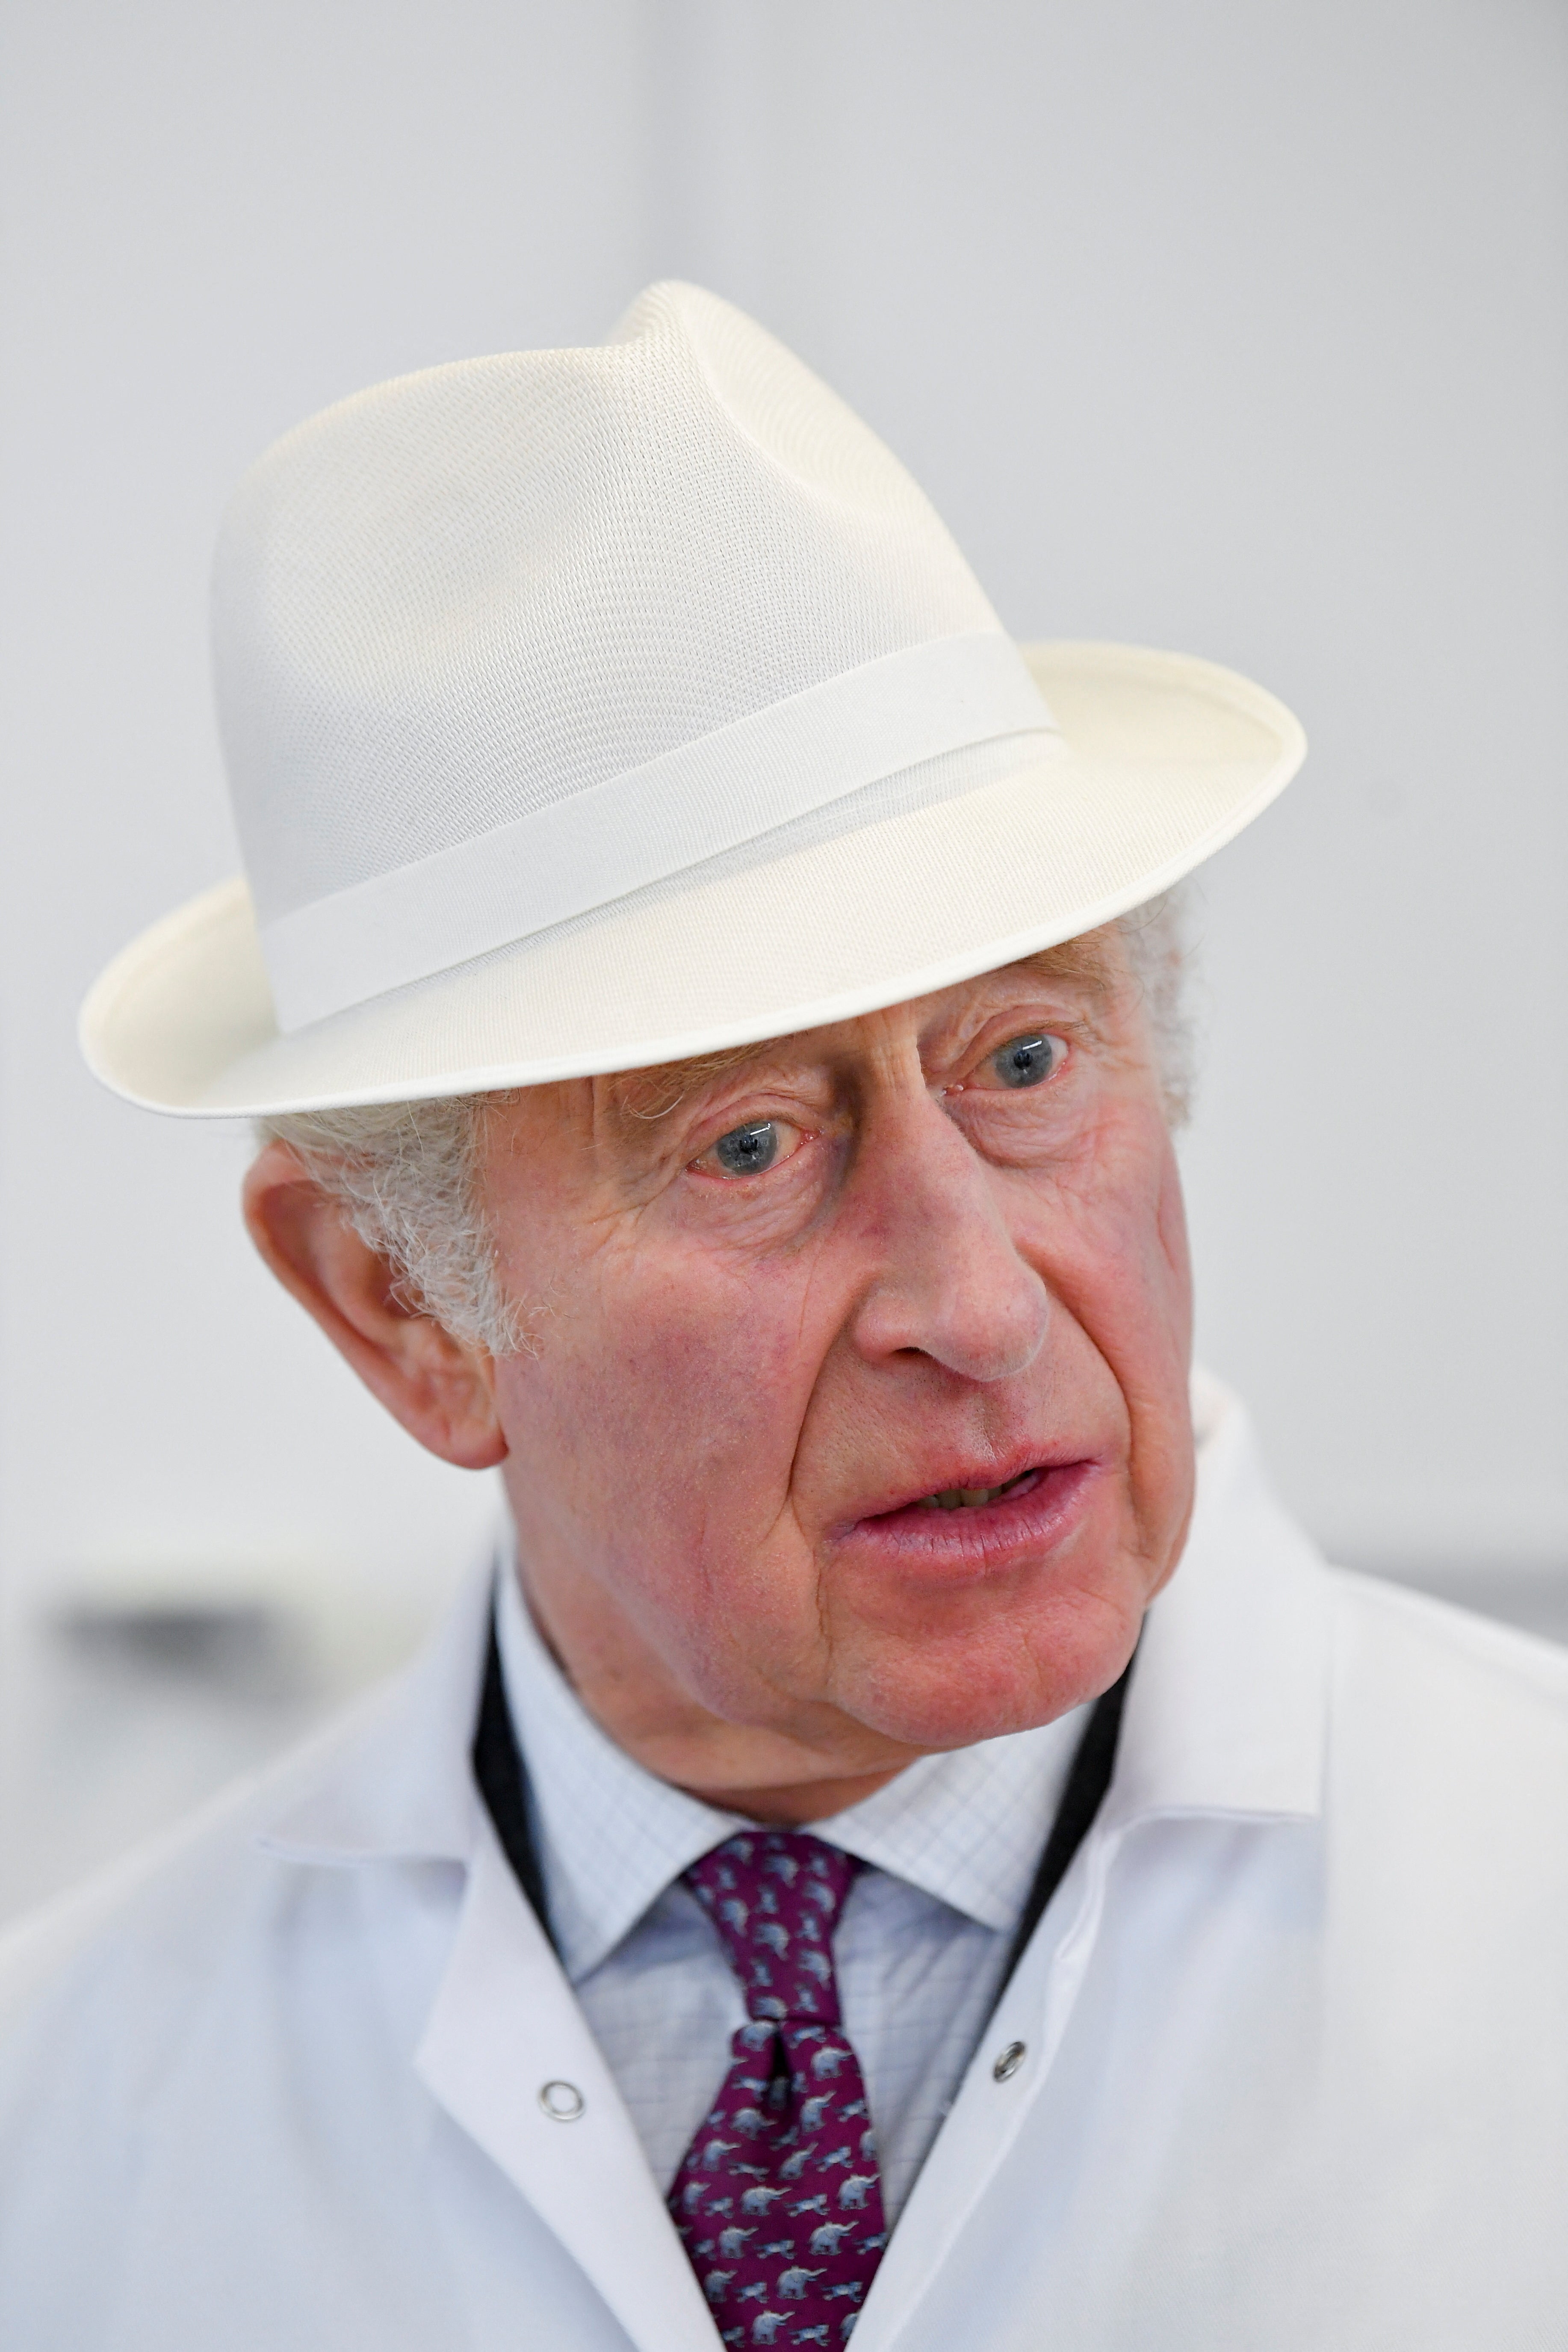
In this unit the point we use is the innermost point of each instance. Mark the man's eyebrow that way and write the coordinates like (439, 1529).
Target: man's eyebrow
(654, 1093)
(1091, 958)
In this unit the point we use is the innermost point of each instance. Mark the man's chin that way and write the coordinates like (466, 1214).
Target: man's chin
(943, 1695)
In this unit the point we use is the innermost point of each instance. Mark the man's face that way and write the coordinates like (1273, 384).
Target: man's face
(789, 1309)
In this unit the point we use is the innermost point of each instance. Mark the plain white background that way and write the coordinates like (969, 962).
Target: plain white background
(1224, 324)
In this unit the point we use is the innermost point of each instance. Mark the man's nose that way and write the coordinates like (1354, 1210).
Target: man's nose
(951, 1283)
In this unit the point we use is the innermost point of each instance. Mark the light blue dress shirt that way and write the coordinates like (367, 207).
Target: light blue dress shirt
(952, 1844)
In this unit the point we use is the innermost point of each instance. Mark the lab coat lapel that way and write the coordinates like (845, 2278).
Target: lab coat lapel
(397, 1787)
(504, 2024)
(1227, 1717)
(968, 2158)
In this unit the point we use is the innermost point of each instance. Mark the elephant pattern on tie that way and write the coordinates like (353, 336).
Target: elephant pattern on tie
(778, 2200)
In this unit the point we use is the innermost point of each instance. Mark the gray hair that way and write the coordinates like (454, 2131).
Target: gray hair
(407, 1175)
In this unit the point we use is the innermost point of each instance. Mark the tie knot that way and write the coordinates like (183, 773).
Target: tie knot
(774, 1896)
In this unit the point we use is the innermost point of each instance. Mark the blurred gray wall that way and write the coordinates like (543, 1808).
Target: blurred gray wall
(1222, 324)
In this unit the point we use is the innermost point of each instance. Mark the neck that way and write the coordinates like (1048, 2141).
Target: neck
(783, 1779)
(793, 1807)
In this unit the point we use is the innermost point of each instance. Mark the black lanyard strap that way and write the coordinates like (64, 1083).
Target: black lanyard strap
(502, 1778)
(1088, 1778)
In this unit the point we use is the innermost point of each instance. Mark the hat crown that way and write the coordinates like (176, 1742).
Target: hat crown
(464, 596)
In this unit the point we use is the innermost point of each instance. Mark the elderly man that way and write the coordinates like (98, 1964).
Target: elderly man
(909, 1842)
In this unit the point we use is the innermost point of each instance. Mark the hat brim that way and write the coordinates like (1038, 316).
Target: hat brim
(1162, 759)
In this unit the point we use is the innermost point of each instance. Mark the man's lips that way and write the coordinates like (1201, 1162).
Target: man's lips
(1022, 1501)
(976, 1498)
(959, 1485)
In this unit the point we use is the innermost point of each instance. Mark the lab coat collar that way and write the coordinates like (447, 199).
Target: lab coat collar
(1227, 1711)
(394, 1783)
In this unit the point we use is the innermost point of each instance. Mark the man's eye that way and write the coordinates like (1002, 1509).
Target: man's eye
(748, 1150)
(1025, 1061)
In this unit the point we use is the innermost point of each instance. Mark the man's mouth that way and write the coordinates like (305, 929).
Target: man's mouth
(984, 1527)
(1032, 1484)
(972, 1498)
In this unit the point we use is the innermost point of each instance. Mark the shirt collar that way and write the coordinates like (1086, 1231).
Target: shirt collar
(610, 1836)
(967, 1827)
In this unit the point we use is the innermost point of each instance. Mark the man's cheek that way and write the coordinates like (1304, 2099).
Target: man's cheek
(1127, 1238)
(714, 1384)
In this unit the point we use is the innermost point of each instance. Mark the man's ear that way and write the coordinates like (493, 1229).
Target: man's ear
(442, 1390)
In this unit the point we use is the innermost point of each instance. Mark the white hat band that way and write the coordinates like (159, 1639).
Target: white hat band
(726, 788)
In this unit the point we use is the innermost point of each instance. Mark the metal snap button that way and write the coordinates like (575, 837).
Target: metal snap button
(1008, 2063)
(562, 2102)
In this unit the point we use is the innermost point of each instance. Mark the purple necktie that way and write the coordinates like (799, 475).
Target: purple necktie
(778, 2199)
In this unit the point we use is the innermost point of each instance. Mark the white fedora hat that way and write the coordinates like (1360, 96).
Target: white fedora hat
(586, 709)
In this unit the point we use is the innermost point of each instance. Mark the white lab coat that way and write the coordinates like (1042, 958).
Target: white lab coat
(1296, 2030)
